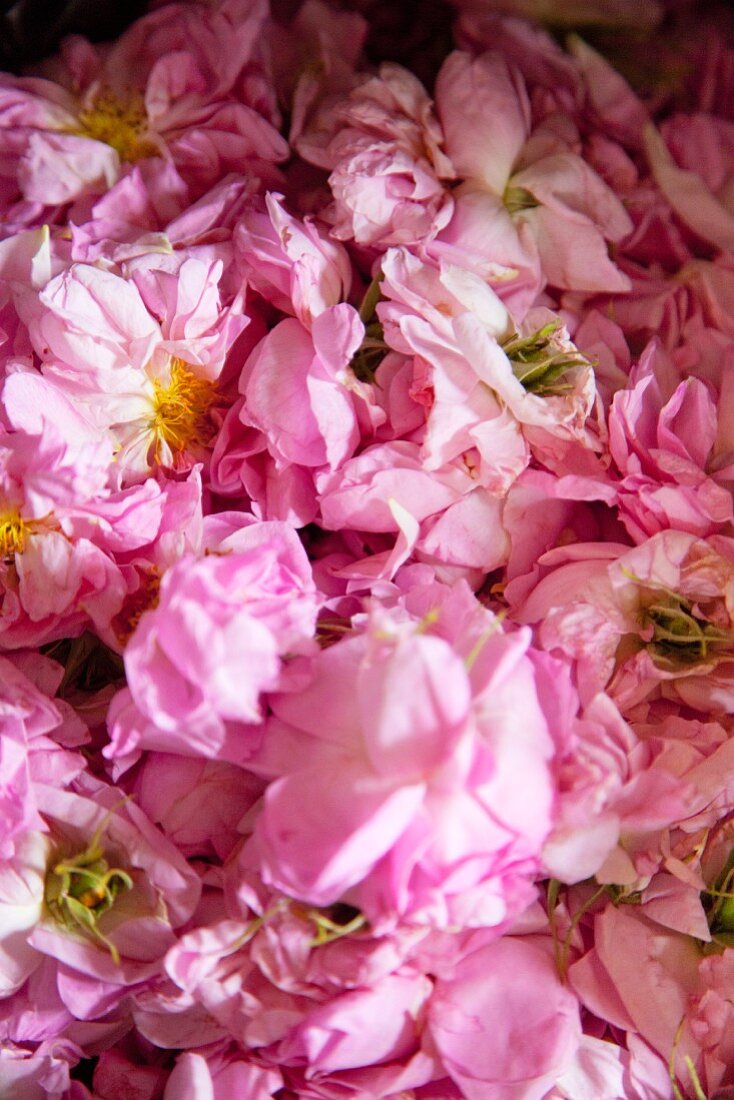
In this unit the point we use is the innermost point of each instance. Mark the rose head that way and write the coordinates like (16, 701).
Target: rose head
(398, 793)
(200, 659)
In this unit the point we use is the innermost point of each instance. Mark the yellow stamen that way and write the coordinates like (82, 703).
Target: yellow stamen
(13, 531)
(330, 924)
(137, 603)
(181, 409)
(121, 123)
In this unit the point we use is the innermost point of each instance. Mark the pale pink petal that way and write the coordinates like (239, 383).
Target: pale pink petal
(485, 115)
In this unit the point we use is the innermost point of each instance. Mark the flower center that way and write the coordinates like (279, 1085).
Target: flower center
(370, 353)
(80, 888)
(542, 362)
(518, 198)
(332, 923)
(680, 636)
(373, 349)
(13, 531)
(181, 409)
(144, 598)
(121, 123)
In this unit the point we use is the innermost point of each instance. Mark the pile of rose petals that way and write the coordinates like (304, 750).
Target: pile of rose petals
(367, 560)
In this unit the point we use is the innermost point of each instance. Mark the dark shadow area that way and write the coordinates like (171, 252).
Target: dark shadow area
(32, 29)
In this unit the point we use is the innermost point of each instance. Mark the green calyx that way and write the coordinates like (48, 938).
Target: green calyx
(373, 349)
(680, 636)
(518, 198)
(81, 888)
(718, 901)
(541, 363)
(370, 353)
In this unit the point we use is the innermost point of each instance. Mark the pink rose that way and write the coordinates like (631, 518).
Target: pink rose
(199, 661)
(504, 1024)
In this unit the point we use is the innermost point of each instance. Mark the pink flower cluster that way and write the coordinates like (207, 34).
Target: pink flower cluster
(367, 564)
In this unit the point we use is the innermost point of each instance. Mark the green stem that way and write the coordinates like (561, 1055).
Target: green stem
(371, 297)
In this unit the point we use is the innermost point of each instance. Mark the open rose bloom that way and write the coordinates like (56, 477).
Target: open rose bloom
(367, 554)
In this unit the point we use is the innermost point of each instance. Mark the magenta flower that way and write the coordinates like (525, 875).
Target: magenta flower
(39, 1071)
(29, 720)
(139, 357)
(52, 582)
(294, 264)
(220, 1077)
(382, 143)
(201, 657)
(100, 891)
(366, 519)
(398, 778)
(546, 216)
(511, 1037)
(664, 445)
(162, 91)
(650, 621)
(298, 390)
